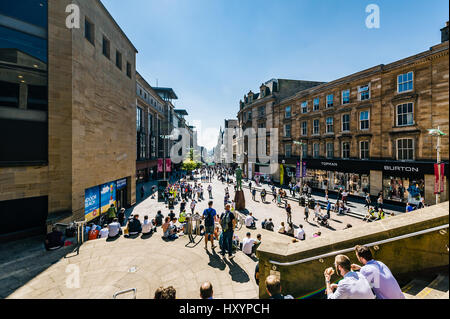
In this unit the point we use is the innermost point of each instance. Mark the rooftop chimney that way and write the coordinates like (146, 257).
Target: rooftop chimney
(444, 33)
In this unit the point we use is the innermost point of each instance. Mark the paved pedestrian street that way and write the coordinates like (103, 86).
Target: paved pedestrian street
(102, 267)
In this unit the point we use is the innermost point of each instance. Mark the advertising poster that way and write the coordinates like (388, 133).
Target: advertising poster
(442, 177)
(91, 203)
(168, 165)
(107, 196)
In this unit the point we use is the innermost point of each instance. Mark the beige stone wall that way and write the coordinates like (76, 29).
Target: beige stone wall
(104, 108)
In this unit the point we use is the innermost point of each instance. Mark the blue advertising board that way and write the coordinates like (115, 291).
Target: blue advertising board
(91, 203)
(107, 196)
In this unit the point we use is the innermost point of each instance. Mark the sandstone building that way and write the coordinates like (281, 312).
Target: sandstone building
(366, 132)
(67, 115)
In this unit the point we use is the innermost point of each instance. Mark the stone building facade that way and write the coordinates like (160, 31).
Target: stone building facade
(87, 112)
(368, 132)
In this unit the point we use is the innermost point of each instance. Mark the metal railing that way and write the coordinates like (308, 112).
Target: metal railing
(343, 251)
(134, 290)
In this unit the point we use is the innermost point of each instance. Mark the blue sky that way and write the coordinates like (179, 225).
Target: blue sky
(212, 52)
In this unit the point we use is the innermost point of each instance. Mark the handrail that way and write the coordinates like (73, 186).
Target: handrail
(343, 251)
(124, 292)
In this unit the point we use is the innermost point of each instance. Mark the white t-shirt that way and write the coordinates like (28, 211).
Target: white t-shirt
(247, 245)
(248, 221)
(104, 233)
(147, 226)
(300, 234)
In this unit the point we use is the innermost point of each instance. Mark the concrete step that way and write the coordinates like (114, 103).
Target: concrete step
(414, 287)
(436, 289)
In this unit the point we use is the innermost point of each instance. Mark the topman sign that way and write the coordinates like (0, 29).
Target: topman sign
(401, 169)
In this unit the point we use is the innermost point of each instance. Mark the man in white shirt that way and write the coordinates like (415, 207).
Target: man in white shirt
(114, 229)
(104, 231)
(300, 233)
(353, 286)
(250, 221)
(380, 278)
(247, 245)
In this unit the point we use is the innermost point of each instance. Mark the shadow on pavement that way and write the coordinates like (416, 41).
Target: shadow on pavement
(215, 261)
(236, 272)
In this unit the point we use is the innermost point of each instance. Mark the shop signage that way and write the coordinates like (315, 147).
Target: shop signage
(121, 183)
(401, 169)
(91, 203)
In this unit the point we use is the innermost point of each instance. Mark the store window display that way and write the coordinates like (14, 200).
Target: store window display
(404, 189)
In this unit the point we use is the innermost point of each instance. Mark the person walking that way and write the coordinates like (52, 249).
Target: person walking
(306, 213)
(228, 223)
(210, 191)
(368, 201)
(209, 215)
(254, 194)
(289, 214)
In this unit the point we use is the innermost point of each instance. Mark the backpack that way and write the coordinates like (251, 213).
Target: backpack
(225, 221)
(209, 219)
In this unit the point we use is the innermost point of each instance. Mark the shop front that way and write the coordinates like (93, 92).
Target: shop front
(98, 199)
(398, 182)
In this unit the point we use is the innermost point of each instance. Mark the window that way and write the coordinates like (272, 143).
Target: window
(330, 100)
(150, 123)
(364, 150)
(405, 149)
(364, 92)
(405, 114)
(287, 113)
(364, 120)
(129, 72)
(288, 150)
(345, 150)
(316, 104)
(304, 128)
(330, 150)
(287, 130)
(250, 115)
(262, 111)
(305, 151)
(346, 123)
(330, 125)
(119, 60)
(89, 31)
(305, 107)
(316, 127)
(316, 150)
(346, 97)
(106, 47)
(405, 82)
(138, 118)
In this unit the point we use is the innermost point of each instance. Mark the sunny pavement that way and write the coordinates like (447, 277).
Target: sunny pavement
(105, 267)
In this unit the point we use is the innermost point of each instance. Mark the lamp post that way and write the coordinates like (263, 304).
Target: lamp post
(438, 133)
(301, 144)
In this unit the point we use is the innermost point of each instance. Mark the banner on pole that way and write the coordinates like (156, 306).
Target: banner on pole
(160, 165)
(436, 178)
(442, 177)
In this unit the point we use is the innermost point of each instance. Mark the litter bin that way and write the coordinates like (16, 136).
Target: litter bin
(311, 203)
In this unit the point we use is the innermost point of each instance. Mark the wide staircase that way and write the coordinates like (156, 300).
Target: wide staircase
(415, 246)
(426, 288)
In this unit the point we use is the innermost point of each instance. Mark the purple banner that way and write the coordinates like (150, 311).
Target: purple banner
(297, 174)
(304, 169)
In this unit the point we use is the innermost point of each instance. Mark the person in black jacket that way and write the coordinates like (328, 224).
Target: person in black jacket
(135, 226)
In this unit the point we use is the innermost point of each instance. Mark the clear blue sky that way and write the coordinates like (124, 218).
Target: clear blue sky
(212, 52)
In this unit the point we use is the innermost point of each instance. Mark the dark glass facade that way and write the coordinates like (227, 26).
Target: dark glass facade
(23, 82)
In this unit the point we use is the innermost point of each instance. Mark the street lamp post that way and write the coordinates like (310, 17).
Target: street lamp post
(438, 133)
(301, 160)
